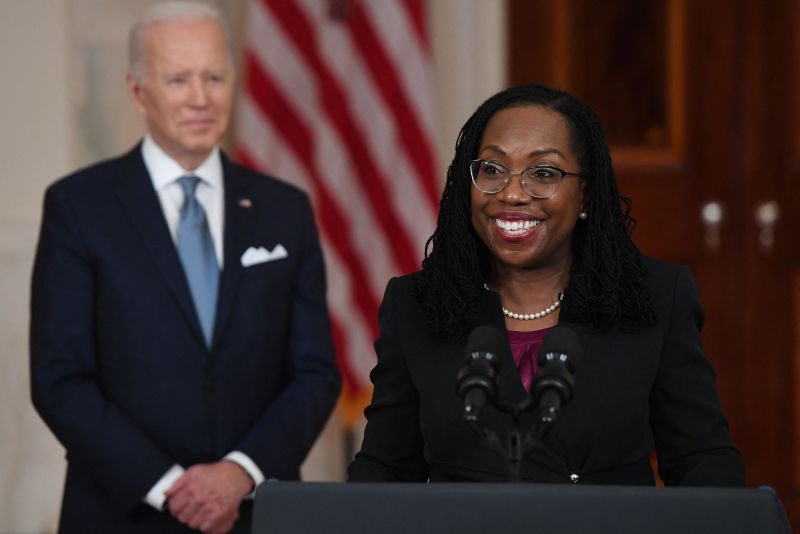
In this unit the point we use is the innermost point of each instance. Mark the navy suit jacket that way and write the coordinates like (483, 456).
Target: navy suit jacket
(119, 368)
(634, 391)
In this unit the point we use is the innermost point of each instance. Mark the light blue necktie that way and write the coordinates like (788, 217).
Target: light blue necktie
(199, 259)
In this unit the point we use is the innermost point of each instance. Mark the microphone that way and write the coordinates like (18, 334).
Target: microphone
(554, 383)
(477, 378)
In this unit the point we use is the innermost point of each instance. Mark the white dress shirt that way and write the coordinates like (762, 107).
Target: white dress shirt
(165, 173)
(210, 193)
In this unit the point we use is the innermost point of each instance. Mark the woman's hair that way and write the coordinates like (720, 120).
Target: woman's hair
(607, 279)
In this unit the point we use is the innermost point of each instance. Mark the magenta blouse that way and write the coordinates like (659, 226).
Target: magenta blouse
(525, 348)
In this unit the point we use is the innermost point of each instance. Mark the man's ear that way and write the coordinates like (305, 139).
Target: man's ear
(135, 89)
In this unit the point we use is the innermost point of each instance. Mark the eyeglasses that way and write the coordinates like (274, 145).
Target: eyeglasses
(541, 181)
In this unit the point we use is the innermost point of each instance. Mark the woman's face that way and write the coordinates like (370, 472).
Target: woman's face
(519, 230)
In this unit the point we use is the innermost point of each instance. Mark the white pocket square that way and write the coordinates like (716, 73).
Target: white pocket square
(254, 256)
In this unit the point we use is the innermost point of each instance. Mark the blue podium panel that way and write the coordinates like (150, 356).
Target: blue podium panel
(314, 507)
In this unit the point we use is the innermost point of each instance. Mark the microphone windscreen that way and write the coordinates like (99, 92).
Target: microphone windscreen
(561, 340)
(486, 339)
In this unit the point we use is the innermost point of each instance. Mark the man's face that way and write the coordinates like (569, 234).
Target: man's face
(186, 91)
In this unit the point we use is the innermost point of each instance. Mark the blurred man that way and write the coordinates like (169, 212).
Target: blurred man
(180, 344)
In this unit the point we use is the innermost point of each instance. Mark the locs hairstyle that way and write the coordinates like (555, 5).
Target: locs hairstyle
(607, 279)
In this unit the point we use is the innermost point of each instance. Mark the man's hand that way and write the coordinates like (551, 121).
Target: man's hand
(207, 496)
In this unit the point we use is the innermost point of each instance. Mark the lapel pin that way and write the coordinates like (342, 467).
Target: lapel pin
(245, 203)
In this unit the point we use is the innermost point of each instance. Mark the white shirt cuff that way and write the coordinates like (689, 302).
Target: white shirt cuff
(155, 497)
(249, 467)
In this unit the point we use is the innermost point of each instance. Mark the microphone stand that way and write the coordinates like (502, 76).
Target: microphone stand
(517, 443)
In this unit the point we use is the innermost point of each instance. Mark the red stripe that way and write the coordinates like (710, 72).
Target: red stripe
(333, 222)
(386, 79)
(417, 14)
(334, 102)
(300, 138)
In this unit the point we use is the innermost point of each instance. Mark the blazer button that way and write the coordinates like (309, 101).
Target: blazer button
(209, 385)
(574, 478)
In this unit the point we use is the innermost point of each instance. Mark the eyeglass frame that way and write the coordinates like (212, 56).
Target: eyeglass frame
(509, 174)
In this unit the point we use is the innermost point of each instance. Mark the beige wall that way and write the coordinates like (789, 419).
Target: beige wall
(34, 147)
(63, 105)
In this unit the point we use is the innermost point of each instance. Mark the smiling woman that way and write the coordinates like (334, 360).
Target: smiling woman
(533, 233)
(526, 234)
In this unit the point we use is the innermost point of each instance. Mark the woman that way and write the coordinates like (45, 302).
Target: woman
(531, 233)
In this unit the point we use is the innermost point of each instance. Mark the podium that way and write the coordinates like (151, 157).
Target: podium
(394, 508)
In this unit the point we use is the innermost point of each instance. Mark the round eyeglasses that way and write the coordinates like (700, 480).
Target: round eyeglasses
(541, 181)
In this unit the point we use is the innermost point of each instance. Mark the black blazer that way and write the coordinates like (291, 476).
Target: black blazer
(119, 368)
(633, 391)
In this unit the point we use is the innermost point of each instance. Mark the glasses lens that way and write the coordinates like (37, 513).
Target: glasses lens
(488, 176)
(542, 182)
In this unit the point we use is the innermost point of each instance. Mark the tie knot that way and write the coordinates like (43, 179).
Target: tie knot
(189, 184)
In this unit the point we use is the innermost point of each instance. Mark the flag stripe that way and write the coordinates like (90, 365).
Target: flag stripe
(416, 9)
(414, 138)
(300, 31)
(300, 142)
(297, 86)
(338, 100)
(393, 26)
(369, 246)
(379, 125)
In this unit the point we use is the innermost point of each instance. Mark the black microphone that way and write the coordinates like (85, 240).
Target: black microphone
(477, 379)
(554, 383)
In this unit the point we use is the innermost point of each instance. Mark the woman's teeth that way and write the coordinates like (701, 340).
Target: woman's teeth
(516, 227)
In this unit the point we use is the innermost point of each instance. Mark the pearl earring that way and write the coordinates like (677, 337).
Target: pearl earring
(582, 215)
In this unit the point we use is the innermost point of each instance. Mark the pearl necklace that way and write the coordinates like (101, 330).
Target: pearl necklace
(530, 316)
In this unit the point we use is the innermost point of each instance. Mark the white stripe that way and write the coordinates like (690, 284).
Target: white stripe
(411, 60)
(263, 141)
(368, 239)
(358, 336)
(379, 128)
(285, 68)
(276, 53)
(267, 149)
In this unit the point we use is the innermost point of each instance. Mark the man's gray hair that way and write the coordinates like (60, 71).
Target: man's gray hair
(182, 11)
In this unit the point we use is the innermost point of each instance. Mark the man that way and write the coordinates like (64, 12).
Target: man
(180, 343)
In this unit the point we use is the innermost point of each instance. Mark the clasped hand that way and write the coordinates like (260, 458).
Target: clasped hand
(207, 496)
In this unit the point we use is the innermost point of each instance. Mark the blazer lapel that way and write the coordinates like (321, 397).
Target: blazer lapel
(139, 199)
(491, 314)
(554, 443)
(510, 386)
(240, 214)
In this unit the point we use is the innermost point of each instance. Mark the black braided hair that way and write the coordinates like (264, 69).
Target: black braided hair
(607, 285)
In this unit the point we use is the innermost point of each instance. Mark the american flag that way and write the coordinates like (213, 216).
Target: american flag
(338, 99)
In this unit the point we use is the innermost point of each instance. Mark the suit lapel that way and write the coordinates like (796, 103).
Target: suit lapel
(240, 212)
(554, 442)
(510, 385)
(491, 314)
(136, 194)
